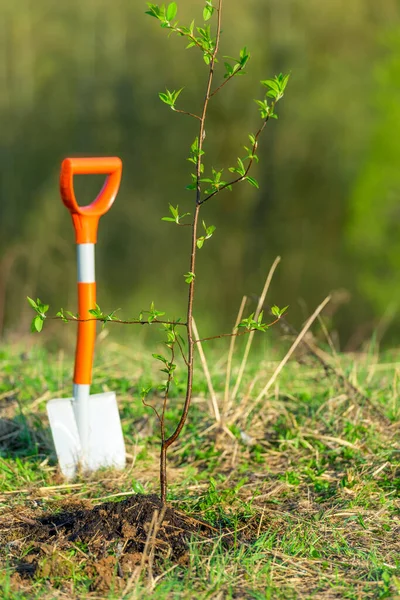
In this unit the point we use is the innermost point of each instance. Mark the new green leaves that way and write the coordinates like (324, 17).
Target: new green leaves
(195, 154)
(153, 313)
(278, 312)
(171, 11)
(189, 277)
(215, 183)
(66, 315)
(208, 10)
(176, 217)
(250, 323)
(251, 152)
(242, 171)
(169, 366)
(40, 309)
(253, 182)
(163, 13)
(208, 233)
(204, 40)
(239, 64)
(276, 88)
(195, 151)
(103, 317)
(170, 98)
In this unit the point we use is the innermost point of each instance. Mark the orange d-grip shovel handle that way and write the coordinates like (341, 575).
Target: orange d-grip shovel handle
(85, 220)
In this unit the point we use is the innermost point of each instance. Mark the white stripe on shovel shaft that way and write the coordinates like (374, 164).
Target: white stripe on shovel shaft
(81, 410)
(85, 258)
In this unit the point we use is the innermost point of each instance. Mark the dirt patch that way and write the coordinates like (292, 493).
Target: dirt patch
(106, 542)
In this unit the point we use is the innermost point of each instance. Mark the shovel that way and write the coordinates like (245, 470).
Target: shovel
(86, 429)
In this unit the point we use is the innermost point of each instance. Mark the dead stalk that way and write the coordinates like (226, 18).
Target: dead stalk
(227, 404)
(203, 360)
(251, 334)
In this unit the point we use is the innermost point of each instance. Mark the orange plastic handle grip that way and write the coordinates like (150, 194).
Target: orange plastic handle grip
(86, 218)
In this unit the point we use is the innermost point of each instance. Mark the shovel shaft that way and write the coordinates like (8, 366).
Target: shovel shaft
(86, 301)
(86, 334)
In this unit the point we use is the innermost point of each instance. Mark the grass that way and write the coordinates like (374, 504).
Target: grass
(307, 482)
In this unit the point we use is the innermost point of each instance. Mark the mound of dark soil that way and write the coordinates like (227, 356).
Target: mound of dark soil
(114, 537)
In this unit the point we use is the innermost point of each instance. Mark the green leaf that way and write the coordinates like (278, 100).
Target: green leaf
(199, 243)
(32, 303)
(208, 10)
(72, 315)
(96, 312)
(154, 10)
(138, 488)
(171, 11)
(37, 324)
(175, 94)
(253, 182)
(164, 98)
(174, 211)
(61, 315)
(272, 84)
(169, 97)
(189, 277)
(161, 358)
(176, 217)
(244, 57)
(278, 312)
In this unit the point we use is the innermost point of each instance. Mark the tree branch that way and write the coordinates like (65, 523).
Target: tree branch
(182, 352)
(121, 322)
(189, 114)
(234, 334)
(152, 408)
(225, 82)
(242, 177)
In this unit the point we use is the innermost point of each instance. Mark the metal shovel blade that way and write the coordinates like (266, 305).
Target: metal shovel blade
(104, 443)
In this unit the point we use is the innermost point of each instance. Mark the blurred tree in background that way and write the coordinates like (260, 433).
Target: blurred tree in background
(82, 78)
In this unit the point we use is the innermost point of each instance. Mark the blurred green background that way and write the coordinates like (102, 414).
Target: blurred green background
(82, 78)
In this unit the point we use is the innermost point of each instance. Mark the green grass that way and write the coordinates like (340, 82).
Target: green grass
(308, 481)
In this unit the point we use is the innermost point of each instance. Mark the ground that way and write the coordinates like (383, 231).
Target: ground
(296, 496)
